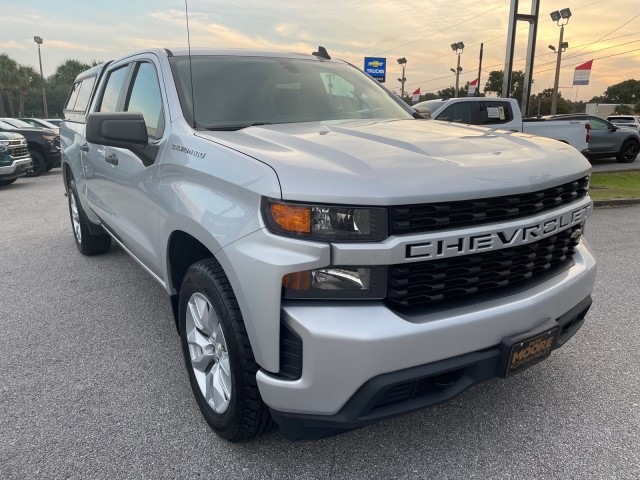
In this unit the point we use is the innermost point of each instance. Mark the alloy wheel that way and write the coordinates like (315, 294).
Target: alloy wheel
(208, 352)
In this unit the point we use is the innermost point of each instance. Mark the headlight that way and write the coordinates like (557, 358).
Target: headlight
(49, 138)
(336, 283)
(325, 222)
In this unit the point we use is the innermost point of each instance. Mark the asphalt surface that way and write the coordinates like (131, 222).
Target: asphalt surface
(92, 382)
(612, 165)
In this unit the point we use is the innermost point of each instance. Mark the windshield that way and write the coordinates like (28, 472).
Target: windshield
(6, 125)
(16, 123)
(236, 92)
(428, 106)
(621, 119)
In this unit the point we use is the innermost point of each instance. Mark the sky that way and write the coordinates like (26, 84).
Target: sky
(421, 31)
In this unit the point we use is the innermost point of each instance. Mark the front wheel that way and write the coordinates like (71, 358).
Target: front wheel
(39, 165)
(628, 152)
(88, 243)
(7, 182)
(218, 356)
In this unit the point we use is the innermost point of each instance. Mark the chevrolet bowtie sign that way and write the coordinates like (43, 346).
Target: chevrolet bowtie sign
(376, 67)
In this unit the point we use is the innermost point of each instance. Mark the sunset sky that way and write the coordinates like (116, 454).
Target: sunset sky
(421, 31)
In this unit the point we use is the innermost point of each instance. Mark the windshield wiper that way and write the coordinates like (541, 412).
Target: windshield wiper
(232, 128)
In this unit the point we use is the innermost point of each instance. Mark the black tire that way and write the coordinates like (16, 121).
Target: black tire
(246, 415)
(628, 152)
(87, 242)
(48, 167)
(39, 165)
(7, 182)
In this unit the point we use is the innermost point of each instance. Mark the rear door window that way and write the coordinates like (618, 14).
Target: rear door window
(491, 113)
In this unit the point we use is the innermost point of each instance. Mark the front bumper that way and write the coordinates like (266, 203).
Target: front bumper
(17, 169)
(397, 393)
(345, 345)
(54, 157)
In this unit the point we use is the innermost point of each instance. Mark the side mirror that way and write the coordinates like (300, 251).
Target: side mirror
(120, 129)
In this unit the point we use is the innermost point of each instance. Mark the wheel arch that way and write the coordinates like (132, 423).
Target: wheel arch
(183, 250)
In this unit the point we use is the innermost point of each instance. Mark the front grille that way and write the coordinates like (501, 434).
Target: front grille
(423, 283)
(21, 151)
(438, 216)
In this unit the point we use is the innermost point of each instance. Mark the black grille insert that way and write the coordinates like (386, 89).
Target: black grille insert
(422, 283)
(437, 216)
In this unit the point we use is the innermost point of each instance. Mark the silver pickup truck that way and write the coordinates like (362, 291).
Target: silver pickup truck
(332, 261)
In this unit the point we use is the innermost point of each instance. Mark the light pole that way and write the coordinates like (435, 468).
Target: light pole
(561, 18)
(39, 40)
(458, 48)
(402, 62)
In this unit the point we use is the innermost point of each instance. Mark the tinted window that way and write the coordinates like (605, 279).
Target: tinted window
(111, 93)
(236, 92)
(85, 94)
(145, 98)
(73, 96)
(457, 112)
(491, 113)
(597, 124)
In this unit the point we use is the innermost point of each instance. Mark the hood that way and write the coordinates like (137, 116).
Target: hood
(6, 135)
(396, 162)
(34, 130)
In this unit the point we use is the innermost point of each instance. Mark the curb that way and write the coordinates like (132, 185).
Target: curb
(619, 202)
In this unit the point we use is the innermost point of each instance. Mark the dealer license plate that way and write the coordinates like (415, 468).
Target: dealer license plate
(530, 351)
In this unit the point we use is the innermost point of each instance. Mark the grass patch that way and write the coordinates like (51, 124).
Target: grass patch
(614, 185)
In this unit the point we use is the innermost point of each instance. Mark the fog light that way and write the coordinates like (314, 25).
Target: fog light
(336, 283)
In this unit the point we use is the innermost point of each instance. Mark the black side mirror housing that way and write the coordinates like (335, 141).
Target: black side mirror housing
(120, 129)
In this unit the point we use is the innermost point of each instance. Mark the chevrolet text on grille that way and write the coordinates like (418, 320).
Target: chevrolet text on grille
(464, 245)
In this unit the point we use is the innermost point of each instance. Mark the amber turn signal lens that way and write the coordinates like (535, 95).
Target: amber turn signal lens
(300, 281)
(292, 217)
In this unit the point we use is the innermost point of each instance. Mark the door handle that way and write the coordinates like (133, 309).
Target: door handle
(84, 147)
(112, 159)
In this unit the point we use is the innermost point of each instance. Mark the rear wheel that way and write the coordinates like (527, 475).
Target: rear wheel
(39, 165)
(88, 243)
(218, 356)
(628, 152)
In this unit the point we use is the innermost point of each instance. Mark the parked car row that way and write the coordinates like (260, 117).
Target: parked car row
(28, 147)
(15, 160)
(617, 138)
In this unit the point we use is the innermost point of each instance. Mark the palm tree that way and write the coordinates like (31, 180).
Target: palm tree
(8, 68)
(27, 77)
(67, 72)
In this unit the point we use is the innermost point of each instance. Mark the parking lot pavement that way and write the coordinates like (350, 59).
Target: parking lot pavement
(612, 165)
(92, 383)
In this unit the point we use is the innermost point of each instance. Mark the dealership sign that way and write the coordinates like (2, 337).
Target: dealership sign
(581, 73)
(376, 67)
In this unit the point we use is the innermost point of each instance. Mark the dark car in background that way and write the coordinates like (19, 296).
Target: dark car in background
(39, 123)
(607, 140)
(43, 145)
(15, 160)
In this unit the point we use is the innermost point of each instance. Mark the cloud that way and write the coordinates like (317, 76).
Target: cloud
(61, 44)
(13, 45)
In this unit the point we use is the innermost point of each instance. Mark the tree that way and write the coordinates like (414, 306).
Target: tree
(67, 72)
(623, 92)
(623, 110)
(450, 92)
(27, 78)
(8, 68)
(541, 103)
(494, 84)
